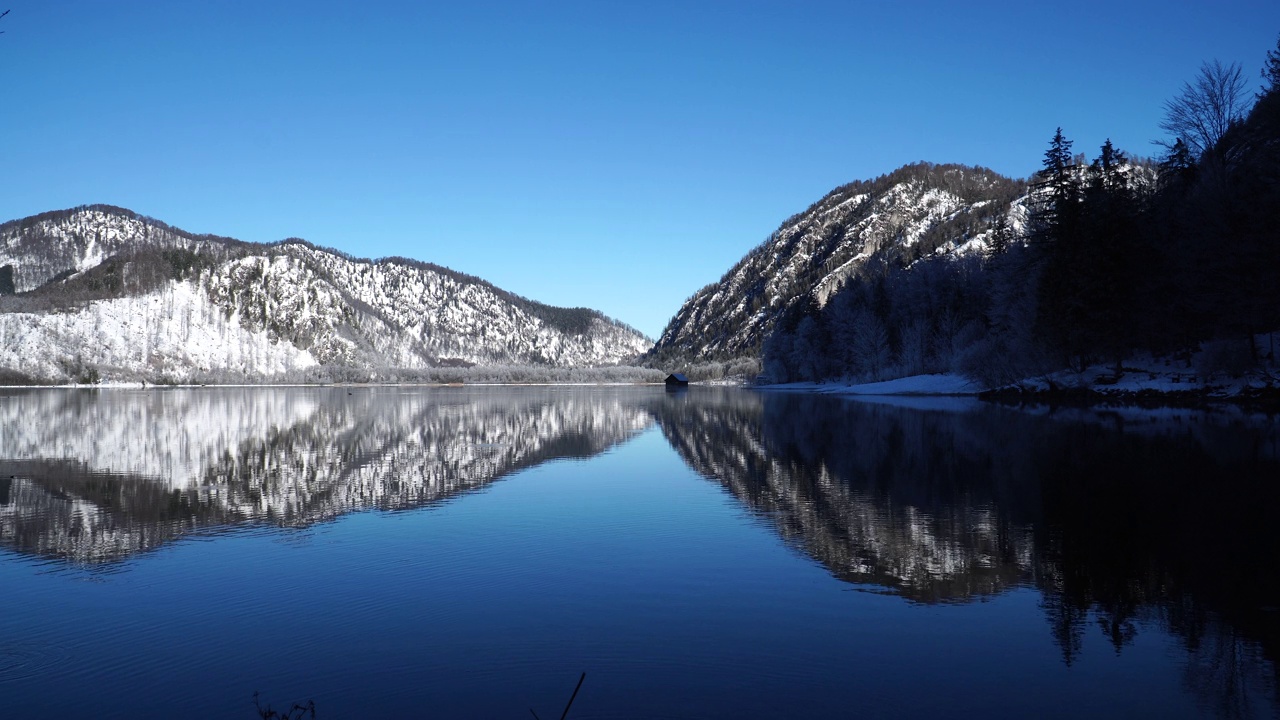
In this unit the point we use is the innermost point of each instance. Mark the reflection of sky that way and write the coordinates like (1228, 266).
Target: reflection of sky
(627, 566)
(691, 554)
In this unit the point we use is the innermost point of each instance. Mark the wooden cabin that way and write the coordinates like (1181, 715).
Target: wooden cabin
(677, 380)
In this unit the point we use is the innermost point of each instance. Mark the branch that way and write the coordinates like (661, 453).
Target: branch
(571, 697)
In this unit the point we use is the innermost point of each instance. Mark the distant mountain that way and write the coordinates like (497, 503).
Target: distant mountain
(912, 212)
(102, 292)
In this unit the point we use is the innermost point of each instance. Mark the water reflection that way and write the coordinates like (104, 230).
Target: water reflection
(1120, 520)
(878, 495)
(96, 476)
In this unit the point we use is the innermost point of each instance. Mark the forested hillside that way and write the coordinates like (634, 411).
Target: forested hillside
(1178, 258)
(917, 211)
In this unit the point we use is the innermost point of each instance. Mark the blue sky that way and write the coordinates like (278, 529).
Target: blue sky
(605, 154)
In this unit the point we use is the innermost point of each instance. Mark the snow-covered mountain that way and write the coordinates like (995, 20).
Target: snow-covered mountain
(99, 291)
(912, 212)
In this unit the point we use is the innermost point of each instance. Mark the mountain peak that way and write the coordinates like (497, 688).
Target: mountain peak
(918, 209)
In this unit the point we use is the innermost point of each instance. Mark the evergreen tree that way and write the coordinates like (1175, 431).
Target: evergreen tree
(1108, 167)
(1178, 167)
(1109, 237)
(1271, 71)
(1057, 159)
(1001, 236)
(1061, 318)
(1058, 175)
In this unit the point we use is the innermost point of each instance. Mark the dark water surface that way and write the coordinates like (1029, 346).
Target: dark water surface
(458, 552)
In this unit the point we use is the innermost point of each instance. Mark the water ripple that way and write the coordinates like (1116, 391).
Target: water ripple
(20, 661)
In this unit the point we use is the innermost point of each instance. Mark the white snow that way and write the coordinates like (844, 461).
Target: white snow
(840, 235)
(276, 310)
(937, 384)
(176, 327)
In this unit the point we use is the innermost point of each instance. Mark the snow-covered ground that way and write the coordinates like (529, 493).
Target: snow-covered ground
(939, 384)
(1143, 377)
(1147, 375)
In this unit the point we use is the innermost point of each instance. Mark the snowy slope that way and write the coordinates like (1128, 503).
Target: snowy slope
(914, 211)
(105, 292)
(43, 246)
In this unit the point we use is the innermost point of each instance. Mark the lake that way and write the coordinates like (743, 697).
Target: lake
(469, 552)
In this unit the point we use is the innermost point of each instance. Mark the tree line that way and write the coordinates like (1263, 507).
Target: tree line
(1178, 257)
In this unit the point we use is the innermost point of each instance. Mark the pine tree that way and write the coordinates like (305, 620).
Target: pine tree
(1108, 238)
(1059, 168)
(1271, 71)
(1111, 159)
(1178, 167)
(1058, 190)
(1058, 157)
(1064, 310)
(1001, 236)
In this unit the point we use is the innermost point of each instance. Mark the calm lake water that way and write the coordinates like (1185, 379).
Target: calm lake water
(459, 552)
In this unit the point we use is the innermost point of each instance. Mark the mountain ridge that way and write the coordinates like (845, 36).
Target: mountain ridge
(78, 277)
(915, 210)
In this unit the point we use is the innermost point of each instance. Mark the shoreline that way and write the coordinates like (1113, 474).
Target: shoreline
(1246, 393)
(191, 386)
(1253, 394)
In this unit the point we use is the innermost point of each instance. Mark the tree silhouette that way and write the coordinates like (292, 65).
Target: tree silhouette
(1203, 112)
(1271, 70)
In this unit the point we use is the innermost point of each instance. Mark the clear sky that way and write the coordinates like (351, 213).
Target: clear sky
(615, 155)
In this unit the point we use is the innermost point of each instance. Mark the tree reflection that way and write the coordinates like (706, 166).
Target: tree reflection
(861, 488)
(1118, 518)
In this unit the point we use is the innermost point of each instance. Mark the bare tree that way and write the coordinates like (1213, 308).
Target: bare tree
(1203, 112)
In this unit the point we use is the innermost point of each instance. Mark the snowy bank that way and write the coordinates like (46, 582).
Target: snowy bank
(938, 384)
(1147, 382)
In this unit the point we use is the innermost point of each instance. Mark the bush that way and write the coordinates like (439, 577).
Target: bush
(1232, 357)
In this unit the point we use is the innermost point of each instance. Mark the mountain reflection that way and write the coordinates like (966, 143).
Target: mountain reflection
(96, 476)
(1118, 518)
(869, 491)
